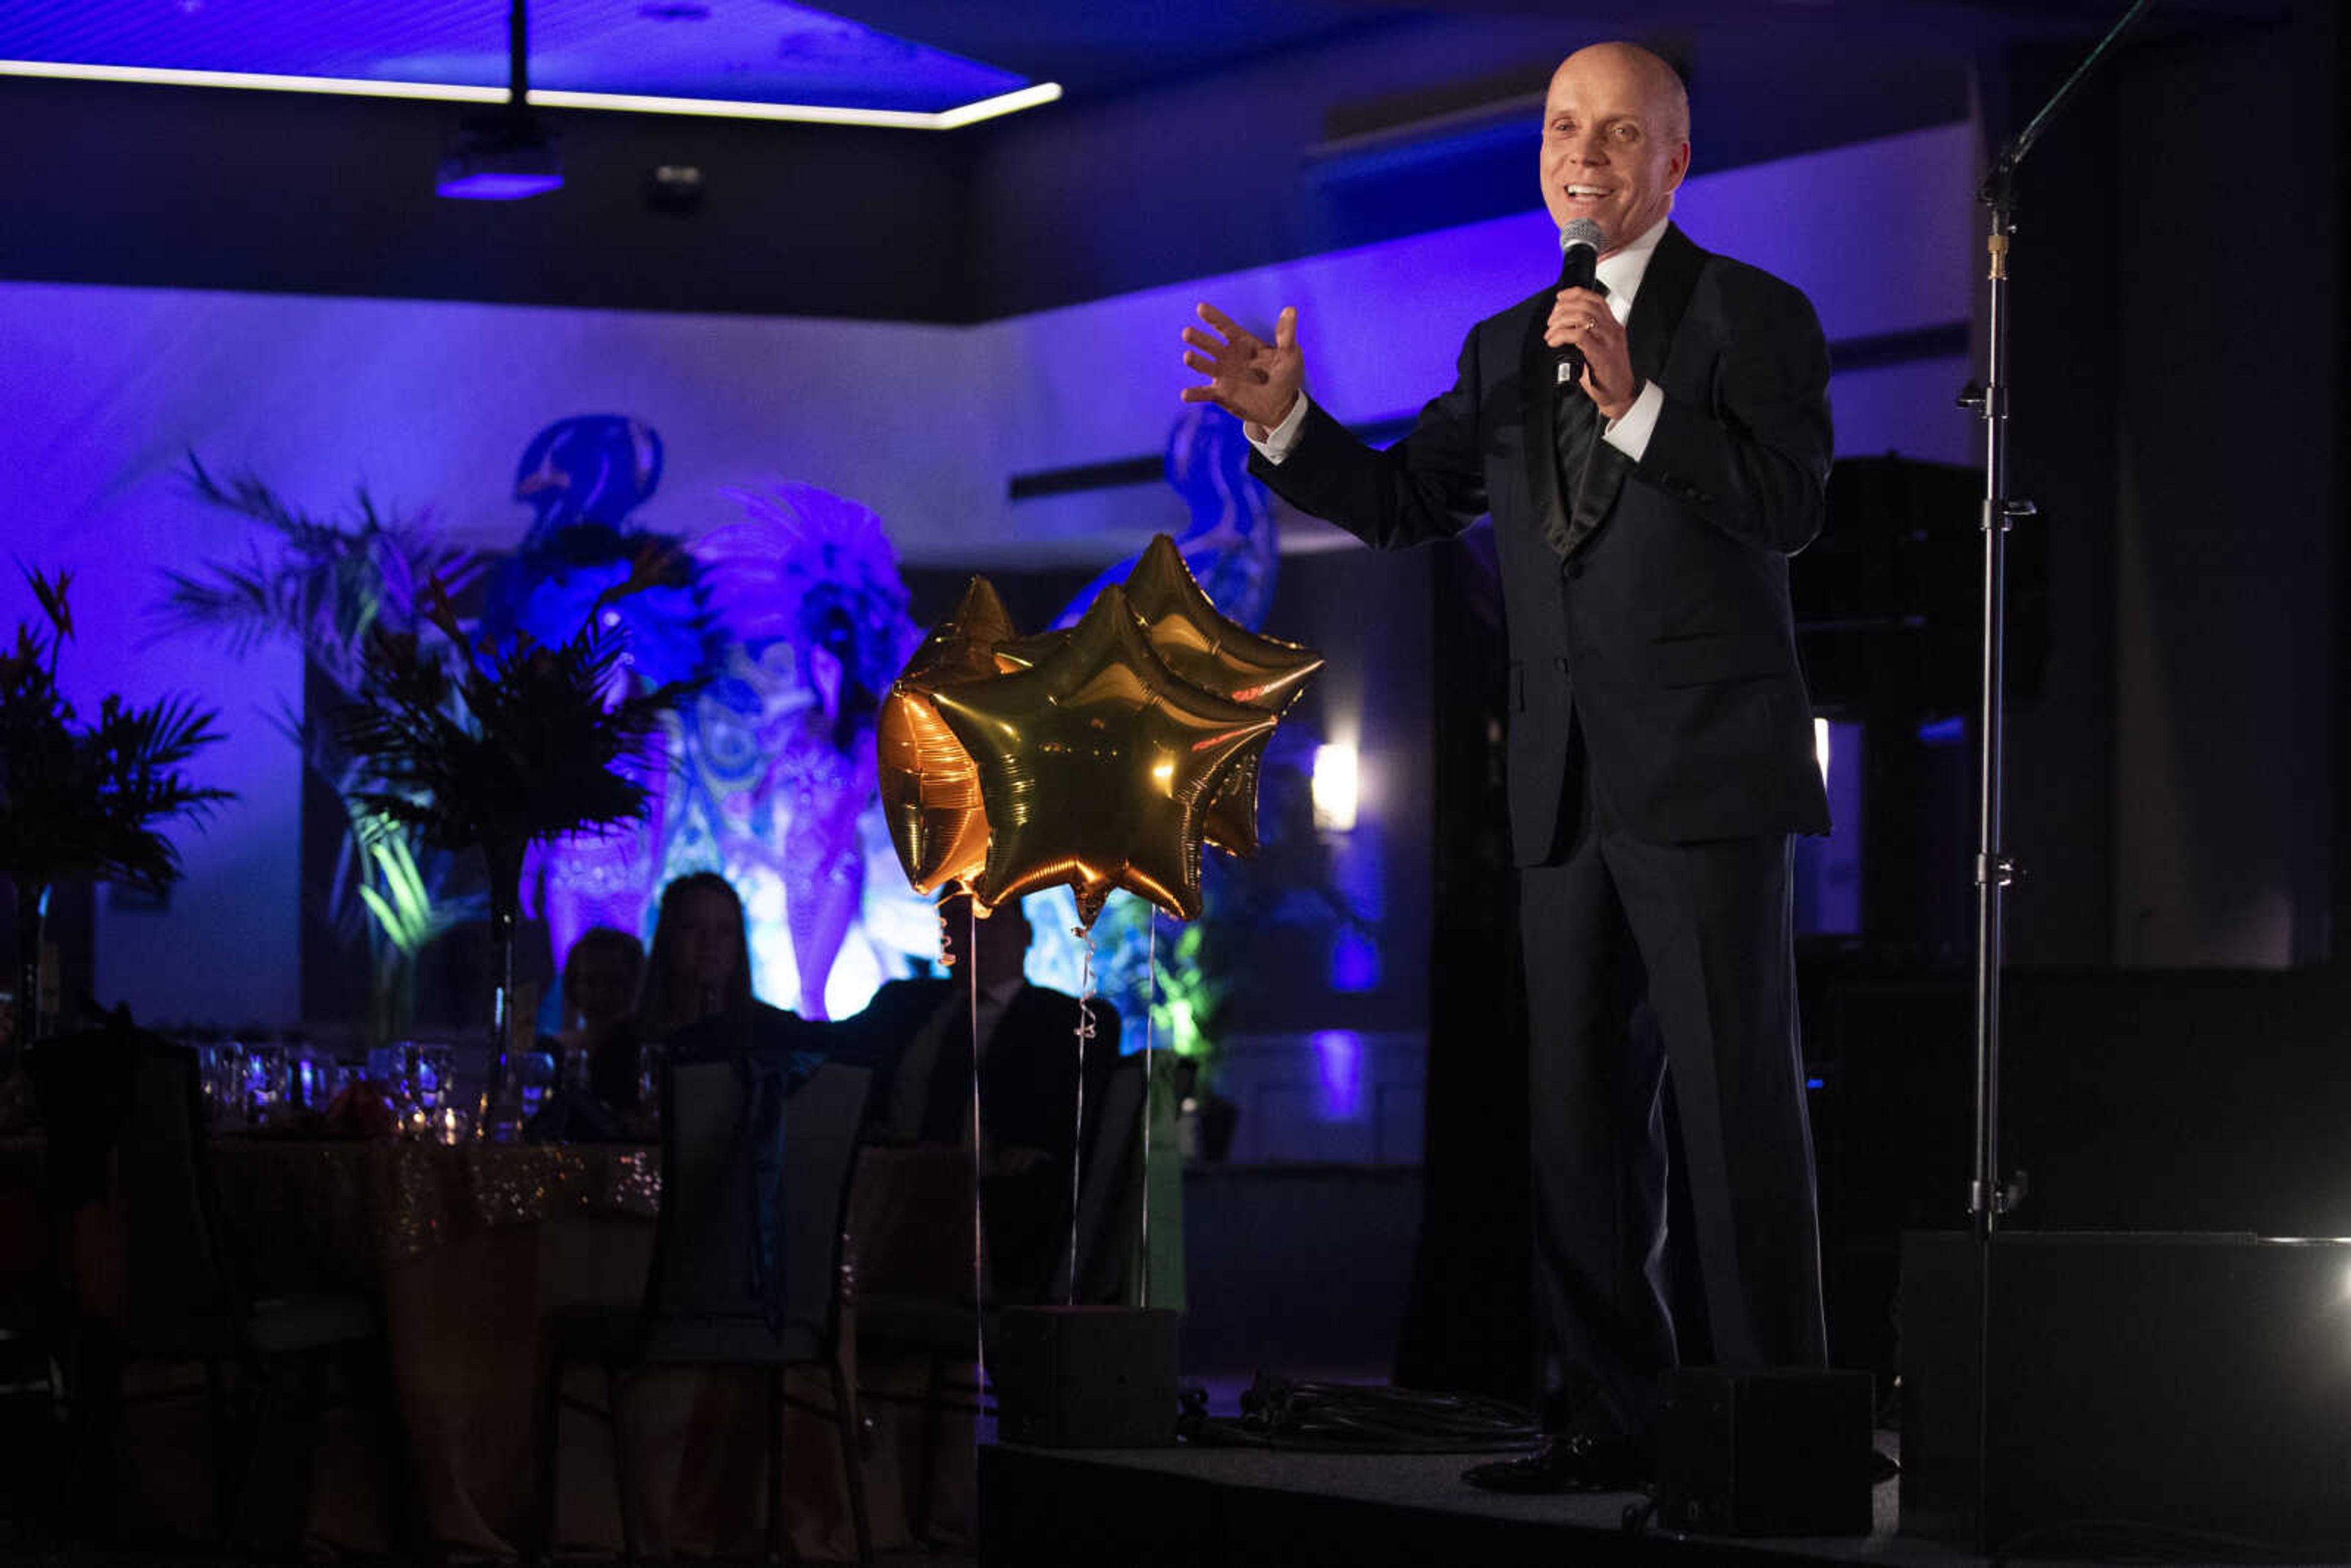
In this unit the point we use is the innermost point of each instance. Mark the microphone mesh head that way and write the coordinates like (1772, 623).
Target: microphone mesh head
(1583, 231)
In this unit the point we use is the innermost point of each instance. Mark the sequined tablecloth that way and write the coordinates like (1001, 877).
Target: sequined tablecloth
(318, 1214)
(465, 1248)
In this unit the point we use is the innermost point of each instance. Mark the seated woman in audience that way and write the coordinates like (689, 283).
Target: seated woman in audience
(697, 991)
(601, 975)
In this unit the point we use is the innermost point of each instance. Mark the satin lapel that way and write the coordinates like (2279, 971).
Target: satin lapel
(1664, 296)
(1537, 375)
(1658, 311)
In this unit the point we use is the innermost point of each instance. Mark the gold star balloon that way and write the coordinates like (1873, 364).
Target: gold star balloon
(1096, 765)
(1203, 646)
(1018, 654)
(930, 786)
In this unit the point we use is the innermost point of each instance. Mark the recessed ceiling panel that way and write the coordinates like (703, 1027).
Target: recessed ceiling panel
(742, 50)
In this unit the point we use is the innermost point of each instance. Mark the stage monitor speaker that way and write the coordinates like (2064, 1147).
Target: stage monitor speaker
(1086, 1377)
(2139, 1386)
(1766, 1451)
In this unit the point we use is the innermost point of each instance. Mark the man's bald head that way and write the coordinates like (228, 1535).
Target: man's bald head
(1660, 82)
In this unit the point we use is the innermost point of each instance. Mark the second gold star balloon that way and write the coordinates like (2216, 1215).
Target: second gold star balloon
(1204, 646)
(1096, 766)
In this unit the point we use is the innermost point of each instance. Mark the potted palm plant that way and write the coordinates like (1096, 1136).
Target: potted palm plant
(84, 800)
(501, 746)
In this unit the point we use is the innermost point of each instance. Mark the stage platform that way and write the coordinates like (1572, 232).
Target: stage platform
(1254, 1508)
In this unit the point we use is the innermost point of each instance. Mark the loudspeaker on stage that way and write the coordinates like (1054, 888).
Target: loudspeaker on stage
(1766, 1451)
(2135, 1383)
(1086, 1377)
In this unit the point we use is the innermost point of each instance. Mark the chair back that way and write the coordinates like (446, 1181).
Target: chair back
(701, 1237)
(1109, 1190)
(125, 1114)
(821, 1124)
(705, 1298)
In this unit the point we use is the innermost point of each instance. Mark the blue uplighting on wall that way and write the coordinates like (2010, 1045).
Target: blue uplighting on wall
(1354, 962)
(1943, 732)
(1339, 1073)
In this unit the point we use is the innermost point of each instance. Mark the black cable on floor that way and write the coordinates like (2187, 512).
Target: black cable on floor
(1280, 1413)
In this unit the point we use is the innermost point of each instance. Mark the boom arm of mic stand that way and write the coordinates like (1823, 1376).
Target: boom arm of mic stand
(2014, 150)
(1990, 1196)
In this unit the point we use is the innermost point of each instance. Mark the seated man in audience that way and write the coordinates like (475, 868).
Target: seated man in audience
(920, 1034)
(601, 975)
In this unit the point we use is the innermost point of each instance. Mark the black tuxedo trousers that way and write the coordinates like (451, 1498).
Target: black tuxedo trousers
(1703, 931)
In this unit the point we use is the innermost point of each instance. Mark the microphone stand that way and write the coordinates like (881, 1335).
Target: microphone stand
(1991, 1195)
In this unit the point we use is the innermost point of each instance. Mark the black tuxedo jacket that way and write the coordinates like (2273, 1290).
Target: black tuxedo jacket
(1657, 663)
(1028, 1072)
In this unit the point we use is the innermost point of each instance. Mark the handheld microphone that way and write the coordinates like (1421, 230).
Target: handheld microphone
(1579, 255)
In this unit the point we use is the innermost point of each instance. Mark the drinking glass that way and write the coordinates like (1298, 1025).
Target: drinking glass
(534, 1071)
(265, 1083)
(649, 1071)
(436, 1088)
(220, 1063)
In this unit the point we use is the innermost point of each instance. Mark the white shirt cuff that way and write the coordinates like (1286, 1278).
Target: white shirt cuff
(1630, 434)
(1275, 444)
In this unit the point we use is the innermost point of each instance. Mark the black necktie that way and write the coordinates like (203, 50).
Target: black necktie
(1575, 430)
(947, 1101)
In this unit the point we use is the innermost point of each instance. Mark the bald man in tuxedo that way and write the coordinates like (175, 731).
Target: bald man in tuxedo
(1660, 753)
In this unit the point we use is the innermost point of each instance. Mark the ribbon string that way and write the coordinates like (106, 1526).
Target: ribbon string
(1150, 1077)
(1084, 1032)
(979, 1219)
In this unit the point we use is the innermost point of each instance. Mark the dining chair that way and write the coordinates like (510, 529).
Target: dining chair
(148, 1278)
(944, 1327)
(30, 1395)
(705, 1304)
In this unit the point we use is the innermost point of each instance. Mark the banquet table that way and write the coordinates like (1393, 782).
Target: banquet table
(466, 1247)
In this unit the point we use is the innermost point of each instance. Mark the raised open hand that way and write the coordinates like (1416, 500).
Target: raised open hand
(1247, 376)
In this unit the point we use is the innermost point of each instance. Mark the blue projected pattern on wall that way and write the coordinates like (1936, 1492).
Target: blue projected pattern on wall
(774, 51)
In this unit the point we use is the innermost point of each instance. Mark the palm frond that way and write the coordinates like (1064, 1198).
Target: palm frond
(89, 800)
(518, 744)
(51, 594)
(325, 585)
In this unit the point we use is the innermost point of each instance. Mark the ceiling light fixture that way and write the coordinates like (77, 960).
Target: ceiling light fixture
(542, 97)
(506, 154)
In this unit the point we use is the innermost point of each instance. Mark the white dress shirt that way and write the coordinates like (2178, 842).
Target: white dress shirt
(1621, 271)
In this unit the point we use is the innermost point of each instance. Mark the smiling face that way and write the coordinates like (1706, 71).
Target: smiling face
(1615, 141)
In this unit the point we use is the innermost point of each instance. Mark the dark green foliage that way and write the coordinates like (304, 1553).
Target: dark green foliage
(89, 801)
(516, 744)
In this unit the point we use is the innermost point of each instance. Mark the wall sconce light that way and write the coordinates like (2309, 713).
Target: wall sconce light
(1334, 788)
(1820, 747)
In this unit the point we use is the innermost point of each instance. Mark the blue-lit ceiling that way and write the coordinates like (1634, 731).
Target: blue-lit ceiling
(756, 51)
